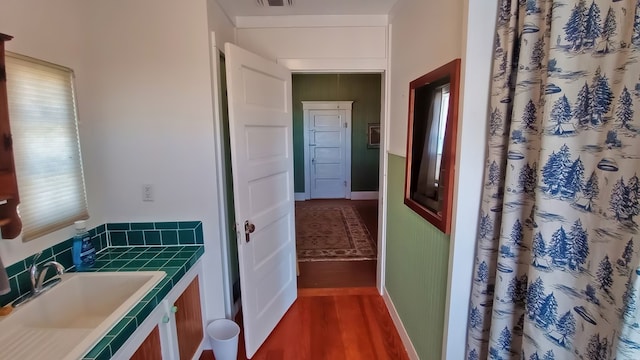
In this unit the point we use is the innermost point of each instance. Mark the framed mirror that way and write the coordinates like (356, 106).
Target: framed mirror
(431, 144)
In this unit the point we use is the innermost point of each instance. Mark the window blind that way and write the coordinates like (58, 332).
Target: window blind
(43, 119)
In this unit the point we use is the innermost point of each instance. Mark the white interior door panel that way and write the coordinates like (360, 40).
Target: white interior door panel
(260, 117)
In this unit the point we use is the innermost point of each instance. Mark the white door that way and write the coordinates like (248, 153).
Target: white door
(260, 118)
(327, 149)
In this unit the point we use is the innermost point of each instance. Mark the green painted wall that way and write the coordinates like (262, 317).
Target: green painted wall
(364, 91)
(416, 269)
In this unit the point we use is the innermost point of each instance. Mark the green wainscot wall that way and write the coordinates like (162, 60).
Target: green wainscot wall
(416, 268)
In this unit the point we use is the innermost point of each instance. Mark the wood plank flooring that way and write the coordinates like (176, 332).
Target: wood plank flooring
(334, 324)
(327, 274)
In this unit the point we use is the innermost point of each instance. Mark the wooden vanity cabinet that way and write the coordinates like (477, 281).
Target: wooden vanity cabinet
(174, 329)
(150, 347)
(189, 321)
(10, 223)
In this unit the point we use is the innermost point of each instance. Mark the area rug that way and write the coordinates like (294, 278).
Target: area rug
(332, 233)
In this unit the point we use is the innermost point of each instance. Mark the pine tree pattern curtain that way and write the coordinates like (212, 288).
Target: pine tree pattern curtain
(556, 269)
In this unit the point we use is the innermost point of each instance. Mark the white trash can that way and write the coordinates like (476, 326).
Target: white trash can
(224, 338)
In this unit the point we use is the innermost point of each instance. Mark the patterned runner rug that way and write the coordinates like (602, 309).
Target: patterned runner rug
(332, 233)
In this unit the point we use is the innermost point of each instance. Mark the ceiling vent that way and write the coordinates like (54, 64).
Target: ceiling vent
(275, 3)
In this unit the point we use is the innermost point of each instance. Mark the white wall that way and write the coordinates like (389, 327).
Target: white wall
(317, 43)
(328, 47)
(151, 104)
(425, 35)
(220, 24)
(477, 50)
(55, 32)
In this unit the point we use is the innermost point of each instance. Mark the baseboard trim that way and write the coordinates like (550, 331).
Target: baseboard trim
(364, 195)
(355, 195)
(404, 336)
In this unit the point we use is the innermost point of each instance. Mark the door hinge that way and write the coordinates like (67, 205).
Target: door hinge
(345, 125)
(345, 183)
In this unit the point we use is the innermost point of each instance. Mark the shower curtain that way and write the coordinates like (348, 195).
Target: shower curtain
(556, 268)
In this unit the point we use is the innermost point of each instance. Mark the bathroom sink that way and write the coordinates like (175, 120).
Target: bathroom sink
(68, 320)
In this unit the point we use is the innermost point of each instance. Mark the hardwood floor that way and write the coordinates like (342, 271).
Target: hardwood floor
(334, 274)
(368, 211)
(329, 274)
(334, 324)
(338, 314)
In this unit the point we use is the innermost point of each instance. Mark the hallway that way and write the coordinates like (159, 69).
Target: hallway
(340, 274)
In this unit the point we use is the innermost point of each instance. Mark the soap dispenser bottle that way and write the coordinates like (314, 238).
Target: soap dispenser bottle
(83, 252)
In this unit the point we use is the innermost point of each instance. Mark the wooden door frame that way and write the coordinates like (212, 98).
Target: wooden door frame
(308, 66)
(307, 106)
(230, 308)
(368, 66)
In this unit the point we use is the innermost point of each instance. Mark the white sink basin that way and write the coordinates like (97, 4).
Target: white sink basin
(68, 320)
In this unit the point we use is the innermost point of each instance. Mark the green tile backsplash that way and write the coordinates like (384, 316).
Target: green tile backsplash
(156, 233)
(112, 235)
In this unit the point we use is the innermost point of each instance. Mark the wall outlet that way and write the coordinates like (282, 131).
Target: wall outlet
(147, 192)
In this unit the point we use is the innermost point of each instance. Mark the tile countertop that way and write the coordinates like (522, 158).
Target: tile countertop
(174, 260)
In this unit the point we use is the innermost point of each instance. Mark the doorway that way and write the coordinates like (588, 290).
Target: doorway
(336, 185)
(263, 105)
(327, 149)
(365, 91)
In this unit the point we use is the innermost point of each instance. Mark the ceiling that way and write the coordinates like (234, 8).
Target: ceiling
(235, 8)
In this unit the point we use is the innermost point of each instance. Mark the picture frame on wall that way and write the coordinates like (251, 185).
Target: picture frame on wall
(373, 138)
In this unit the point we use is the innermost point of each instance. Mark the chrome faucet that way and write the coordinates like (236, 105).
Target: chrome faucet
(39, 274)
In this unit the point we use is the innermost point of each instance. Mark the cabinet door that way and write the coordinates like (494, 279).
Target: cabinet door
(189, 321)
(150, 347)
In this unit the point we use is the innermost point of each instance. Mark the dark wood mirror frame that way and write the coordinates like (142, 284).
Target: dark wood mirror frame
(421, 94)
(10, 223)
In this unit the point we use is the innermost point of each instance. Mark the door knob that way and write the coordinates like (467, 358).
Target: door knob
(248, 229)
